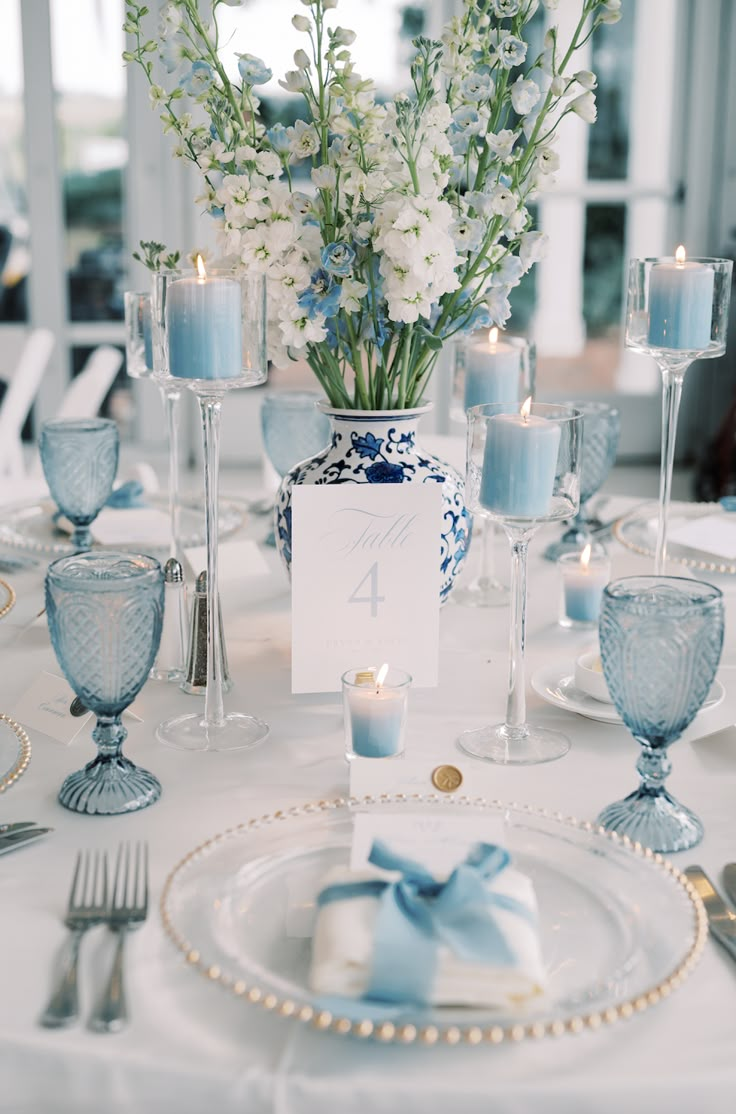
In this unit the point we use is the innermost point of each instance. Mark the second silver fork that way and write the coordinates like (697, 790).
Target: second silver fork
(128, 910)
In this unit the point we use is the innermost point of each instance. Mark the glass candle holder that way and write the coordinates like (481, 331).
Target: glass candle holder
(523, 471)
(375, 707)
(583, 576)
(209, 335)
(490, 366)
(677, 312)
(138, 335)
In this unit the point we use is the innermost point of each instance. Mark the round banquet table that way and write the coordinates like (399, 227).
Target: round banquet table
(191, 1046)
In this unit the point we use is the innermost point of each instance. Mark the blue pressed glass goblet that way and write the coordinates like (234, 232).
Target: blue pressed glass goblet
(105, 611)
(601, 431)
(661, 640)
(80, 459)
(293, 428)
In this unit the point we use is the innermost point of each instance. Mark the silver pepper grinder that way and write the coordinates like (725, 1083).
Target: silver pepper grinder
(195, 680)
(172, 651)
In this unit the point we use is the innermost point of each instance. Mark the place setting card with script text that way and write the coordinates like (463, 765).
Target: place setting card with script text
(365, 581)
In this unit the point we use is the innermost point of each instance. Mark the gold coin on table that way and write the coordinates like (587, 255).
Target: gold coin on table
(447, 778)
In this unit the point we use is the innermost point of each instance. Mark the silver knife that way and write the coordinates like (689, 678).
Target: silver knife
(721, 921)
(19, 826)
(12, 840)
(729, 881)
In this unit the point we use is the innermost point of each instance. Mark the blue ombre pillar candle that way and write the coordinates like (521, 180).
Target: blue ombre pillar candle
(204, 327)
(492, 371)
(680, 304)
(519, 465)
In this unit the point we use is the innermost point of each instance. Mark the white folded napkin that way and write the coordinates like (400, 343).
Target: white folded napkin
(343, 942)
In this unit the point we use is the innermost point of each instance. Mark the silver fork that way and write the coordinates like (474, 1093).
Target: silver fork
(128, 910)
(87, 907)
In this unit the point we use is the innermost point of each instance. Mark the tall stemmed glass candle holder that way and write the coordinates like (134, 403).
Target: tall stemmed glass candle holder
(489, 368)
(661, 639)
(523, 471)
(210, 327)
(140, 362)
(677, 312)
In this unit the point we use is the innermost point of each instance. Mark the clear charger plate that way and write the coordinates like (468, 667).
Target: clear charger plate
(15, 751)
(638, 531)
(620, 926)
(29, 526)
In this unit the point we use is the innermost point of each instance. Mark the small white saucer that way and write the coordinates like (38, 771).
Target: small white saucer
(556, 685)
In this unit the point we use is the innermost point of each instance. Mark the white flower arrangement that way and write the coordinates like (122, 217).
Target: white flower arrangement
(418, 225)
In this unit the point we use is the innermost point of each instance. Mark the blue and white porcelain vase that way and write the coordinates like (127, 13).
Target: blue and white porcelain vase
(379, 447)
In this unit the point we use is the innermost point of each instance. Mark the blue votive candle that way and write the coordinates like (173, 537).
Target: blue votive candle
(204, 327)
(375, 712)
(492, 371)
(680, 304)
(519, 465)
(584, 576)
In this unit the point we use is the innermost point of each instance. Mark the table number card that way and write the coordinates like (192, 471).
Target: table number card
(365, 581)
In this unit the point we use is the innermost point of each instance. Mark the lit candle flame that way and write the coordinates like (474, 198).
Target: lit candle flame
(585, 556)
(526, 407)
(381, 676)
(680, 254)
(493, 337)
(201, 272)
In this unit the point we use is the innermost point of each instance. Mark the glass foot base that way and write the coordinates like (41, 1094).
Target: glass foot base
(656, 821)
(174, 675)
(525, 746)
(484, 591)
(109, 787)
(192, 732)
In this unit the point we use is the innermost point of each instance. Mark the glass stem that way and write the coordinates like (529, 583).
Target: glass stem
(516, 704)
(671, 392)
(653, 767)
(170, 399)
(487, 561)
(211, 407)
(81, 539)
(109, 736)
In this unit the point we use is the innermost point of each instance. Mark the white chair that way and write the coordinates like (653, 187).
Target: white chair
(19, 397)
(86, 392)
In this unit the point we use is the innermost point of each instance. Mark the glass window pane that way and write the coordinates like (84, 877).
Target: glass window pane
(89, 80)
(603, 269)
(612, 62)
(15, 258)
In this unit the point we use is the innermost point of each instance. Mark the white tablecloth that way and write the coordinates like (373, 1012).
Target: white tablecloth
(191, 1047)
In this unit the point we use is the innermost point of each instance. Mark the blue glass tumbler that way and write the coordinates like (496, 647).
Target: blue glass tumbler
(293, 427)
(661, 640)
(105, 611)
(80, 459)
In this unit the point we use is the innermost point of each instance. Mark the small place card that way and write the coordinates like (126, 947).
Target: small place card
(235, 561)
(714, 533)
(439, 842)
(117, 526)
(365, 580)
(45, 706)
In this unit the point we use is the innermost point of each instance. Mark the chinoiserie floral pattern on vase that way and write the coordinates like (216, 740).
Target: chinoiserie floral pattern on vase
(379, 447)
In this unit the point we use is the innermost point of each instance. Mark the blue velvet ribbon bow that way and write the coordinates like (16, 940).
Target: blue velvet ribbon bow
(417, 914)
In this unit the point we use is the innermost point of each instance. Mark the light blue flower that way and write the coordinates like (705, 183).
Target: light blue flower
(467, 233)
(253, 70)
(323, 296)
(197, 79)
(459, 141)
(477, 87)
(511, 51)
(338, 259)
(467, 120)
(278, 139)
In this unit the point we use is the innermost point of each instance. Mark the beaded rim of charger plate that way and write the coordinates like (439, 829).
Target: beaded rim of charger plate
(10, 601)
(388, 1032)
(24, 753)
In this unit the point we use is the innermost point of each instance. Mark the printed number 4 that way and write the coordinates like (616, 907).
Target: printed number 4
(373, 599)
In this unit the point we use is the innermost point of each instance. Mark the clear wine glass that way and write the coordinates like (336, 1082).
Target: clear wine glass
(661, 639)
(601, 431)
(79, 457)
(523, 471)
(105, 611)
(209, 335)
(677, 312)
